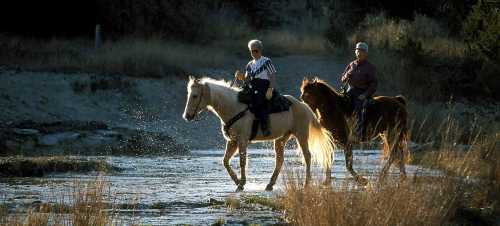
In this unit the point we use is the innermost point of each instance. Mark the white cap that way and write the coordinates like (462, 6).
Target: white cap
(362, 46)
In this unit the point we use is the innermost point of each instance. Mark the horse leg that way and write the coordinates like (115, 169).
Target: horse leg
(279, 148)
(328, 174)
(395, 147)
(348, 163)
(231, 147)
(402, 169)
(387, 165)
(304, 146)
(403, 151)
(242, 147)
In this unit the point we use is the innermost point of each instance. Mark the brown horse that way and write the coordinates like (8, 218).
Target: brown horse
(385, 117)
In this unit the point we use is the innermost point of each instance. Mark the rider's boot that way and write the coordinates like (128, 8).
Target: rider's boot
(264, 125)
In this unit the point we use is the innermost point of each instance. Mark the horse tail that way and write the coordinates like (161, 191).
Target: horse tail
(399, 144)
(321, 143)
(401, 99)
(396, 139)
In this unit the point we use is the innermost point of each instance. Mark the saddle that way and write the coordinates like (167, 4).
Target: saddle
(346, 102)
(277, 104)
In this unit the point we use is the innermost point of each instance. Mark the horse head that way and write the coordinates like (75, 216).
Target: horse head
(197, 98)
(318, 94)
(309, 93)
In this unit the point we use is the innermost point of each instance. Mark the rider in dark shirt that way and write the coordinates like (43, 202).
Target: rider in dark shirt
(362, 84)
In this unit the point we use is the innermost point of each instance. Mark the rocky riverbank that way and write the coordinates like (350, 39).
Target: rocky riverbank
(103, 113)
(122, 111)
(82, 138)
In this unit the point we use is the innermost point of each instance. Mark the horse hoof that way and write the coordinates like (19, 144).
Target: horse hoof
(239, 188)
(269, 187)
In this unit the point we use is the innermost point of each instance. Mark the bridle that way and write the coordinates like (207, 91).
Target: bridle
(199, 103)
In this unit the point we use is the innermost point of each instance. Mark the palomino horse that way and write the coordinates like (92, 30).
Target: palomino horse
(386, 117)
(221, 99)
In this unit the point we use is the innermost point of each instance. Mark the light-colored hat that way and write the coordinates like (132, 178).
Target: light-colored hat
(362, 46)
(255, 44)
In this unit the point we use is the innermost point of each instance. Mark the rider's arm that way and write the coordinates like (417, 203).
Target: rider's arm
(271, 72)
(343, 77)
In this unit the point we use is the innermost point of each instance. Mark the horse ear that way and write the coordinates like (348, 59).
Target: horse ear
(306, 80)
(194, 79)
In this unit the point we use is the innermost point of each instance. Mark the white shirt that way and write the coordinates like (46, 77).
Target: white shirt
(264, 64)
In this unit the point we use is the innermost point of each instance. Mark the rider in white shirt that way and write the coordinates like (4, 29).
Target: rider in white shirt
(261, 74)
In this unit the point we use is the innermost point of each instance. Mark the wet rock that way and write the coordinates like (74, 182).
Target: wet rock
(27, 132)
(38, 167)
(36, 202)
(11, 145)
(214, 202)
(108, 133)
(60, 126)
(58, 138)
(83, 138)
(96, 140)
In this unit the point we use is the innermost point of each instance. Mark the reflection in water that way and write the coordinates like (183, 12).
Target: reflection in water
(186, 189)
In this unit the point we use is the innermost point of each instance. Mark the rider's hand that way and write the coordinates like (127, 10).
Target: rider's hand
(239, 75)
(362, 97)
(269, 93)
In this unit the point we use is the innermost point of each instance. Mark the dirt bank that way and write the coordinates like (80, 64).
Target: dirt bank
(153, 105)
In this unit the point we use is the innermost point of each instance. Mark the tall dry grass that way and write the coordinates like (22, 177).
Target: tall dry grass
(191, 36)
(414, 202)
(134, 57)
(290, 42)
(421, 59)
(468, 120)
(466, 192)
(153, 57)
(88, 206)
(383, 32)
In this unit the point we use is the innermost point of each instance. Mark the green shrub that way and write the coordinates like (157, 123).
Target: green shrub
(482, 31)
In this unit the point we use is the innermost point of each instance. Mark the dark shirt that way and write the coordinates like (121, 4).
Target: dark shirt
(362, 76)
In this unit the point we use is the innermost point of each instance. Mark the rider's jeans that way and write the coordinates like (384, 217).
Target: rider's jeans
(259, 89)
(357, 104)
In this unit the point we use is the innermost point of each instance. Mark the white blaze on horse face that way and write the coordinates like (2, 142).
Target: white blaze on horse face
(193, 99)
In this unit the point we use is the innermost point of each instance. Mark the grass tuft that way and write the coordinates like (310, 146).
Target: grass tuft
(467, 190)
(41, 166)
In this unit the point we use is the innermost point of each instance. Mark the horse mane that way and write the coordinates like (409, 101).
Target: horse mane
(221, 82)
(327, 86)
(216, 88)
(330, 92)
